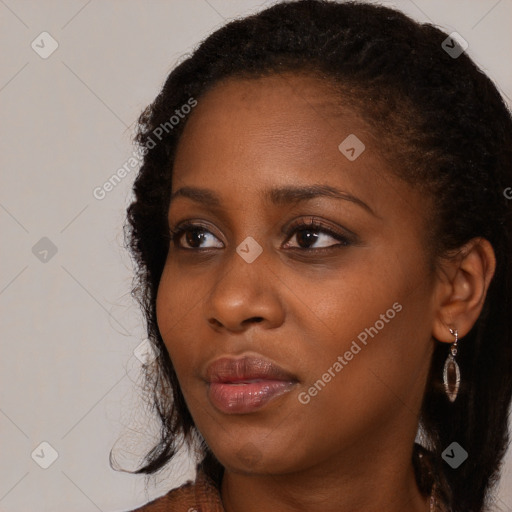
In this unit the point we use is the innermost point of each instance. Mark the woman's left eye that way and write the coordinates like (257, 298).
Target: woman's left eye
(311, 232)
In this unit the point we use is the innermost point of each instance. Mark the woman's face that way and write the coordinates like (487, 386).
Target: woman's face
(326, 330)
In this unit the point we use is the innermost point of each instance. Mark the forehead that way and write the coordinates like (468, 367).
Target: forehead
(276, 124)
(286, 104)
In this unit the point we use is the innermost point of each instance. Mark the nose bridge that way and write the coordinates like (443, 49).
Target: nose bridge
(245, 289)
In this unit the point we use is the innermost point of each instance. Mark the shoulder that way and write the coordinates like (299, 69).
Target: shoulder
(199, 496)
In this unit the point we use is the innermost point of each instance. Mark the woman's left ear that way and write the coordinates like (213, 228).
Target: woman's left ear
(462, 286)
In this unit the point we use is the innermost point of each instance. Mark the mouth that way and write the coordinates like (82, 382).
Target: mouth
(247, 384)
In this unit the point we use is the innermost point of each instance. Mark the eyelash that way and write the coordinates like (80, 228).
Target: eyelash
(309, 225)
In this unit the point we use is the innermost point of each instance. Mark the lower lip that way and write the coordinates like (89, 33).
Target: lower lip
(248, 397)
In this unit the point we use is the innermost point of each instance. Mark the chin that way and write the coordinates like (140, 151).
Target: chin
(258, 458)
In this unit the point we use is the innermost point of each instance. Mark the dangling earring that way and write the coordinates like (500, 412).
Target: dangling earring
(451, 372)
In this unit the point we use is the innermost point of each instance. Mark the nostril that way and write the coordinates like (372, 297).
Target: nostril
(214, 322)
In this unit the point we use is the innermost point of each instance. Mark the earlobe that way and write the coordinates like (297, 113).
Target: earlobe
(463, 289)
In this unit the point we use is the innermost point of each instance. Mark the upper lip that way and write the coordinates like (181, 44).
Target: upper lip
(244, 369)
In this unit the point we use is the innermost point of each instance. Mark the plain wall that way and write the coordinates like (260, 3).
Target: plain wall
(68, 373)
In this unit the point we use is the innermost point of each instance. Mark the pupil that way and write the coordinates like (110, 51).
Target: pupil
(190, 237)
(308, 239)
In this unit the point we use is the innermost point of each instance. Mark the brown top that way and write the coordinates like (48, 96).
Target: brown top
(198, 496)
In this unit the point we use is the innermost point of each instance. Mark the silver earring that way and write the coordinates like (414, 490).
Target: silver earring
(451, 371)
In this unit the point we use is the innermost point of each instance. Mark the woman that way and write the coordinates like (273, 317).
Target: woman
(322, 236)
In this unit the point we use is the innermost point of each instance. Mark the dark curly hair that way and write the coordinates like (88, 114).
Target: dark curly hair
(446, 129)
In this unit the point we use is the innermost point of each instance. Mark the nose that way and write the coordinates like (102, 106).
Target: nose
(244, 294)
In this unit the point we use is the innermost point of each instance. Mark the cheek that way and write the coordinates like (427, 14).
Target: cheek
(175, 305)
(178, 299)
(180, 319)
(373, 360)
(377, 320)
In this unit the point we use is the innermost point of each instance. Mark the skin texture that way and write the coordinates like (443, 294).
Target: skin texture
(349, 448)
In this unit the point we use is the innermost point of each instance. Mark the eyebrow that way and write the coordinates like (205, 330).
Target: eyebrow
(276, 196)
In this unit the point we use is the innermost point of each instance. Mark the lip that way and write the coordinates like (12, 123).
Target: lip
(244, 385)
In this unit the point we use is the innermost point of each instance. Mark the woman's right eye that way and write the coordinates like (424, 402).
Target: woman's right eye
(195, 234)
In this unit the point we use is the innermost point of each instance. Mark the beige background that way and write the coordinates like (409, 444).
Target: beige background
(69, 376)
